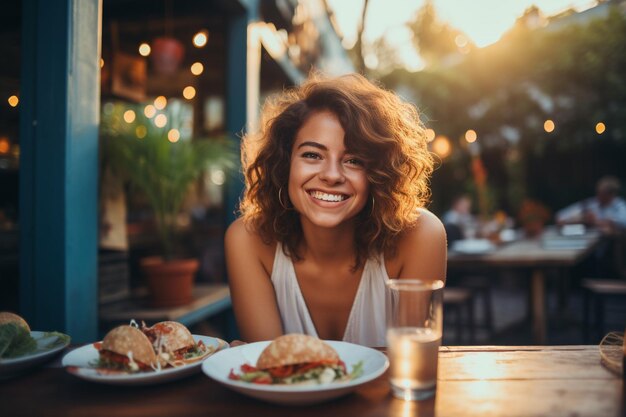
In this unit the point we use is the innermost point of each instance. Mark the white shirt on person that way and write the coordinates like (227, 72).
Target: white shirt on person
(614, 211)
(367, 321)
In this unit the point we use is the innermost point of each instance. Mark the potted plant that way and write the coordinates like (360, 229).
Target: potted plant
(156, 161)
(533, 215)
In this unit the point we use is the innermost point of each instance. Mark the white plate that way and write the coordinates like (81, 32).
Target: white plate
(219, 365)
(78, 362)
(473, 246)
(13, 366)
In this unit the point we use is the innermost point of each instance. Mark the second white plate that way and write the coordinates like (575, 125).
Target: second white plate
(79, 363)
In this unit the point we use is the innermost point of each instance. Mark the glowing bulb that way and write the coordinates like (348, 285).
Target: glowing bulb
(471, 136)
(141, 131)
(441, 146)
(197, 68)
(173, 135)
(129, 116)
(189, 92)
(144, 49)
(548, 126)
(149, 111)
(160, 102)
(600, 128)
(430, 135)
(200, 39)
(13, 101)
(5, 145)
(160, 120)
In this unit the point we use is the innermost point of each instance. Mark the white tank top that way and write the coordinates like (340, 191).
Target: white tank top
(368, 316)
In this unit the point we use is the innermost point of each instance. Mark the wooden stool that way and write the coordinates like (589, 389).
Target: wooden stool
(457, 301)
(596, 293)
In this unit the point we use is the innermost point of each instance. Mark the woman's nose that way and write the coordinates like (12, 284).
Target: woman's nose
(332, 172)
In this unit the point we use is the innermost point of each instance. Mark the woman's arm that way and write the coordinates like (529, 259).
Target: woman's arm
(251, 290)
(422, 250)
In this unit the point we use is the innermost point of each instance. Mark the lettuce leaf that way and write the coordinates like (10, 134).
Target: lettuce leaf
(15, 341)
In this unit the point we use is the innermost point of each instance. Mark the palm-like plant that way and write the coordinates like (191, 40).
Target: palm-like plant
(163, 170)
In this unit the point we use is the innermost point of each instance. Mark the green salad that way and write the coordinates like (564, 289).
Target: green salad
(16, 341)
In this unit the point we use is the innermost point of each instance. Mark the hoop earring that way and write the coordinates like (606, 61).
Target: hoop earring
(373, 202)
(280, 199)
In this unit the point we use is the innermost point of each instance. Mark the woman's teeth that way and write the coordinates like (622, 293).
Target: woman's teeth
(328, 197)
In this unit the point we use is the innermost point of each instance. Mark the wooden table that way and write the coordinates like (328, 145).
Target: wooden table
(536, 255)
(473, 381)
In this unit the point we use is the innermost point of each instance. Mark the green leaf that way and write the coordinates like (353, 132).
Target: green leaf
(15, 341)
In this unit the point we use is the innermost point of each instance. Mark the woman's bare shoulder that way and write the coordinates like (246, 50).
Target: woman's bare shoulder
(422, 243)
(242, 239)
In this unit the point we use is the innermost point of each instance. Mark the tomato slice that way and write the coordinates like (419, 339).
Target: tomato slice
(245, 368)
(282, 371)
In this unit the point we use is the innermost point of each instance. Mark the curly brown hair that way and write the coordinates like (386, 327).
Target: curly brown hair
(380, 129)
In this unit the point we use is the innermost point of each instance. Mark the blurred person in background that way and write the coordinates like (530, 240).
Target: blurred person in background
(459, 221)
(336, 182)
(606, 211)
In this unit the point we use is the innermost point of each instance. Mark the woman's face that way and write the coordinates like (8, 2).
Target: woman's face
(327, 185)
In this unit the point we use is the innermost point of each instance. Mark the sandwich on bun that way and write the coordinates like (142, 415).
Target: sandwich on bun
(15, 338)
(297, 359)
(174, 344)
(127, 349)
(7, 317)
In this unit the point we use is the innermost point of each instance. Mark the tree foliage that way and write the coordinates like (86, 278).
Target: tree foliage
(574, 75)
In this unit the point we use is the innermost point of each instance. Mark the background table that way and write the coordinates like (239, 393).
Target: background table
(532, 255)
(473, 381)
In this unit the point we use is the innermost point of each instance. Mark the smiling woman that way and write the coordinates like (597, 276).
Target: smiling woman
(336, 181)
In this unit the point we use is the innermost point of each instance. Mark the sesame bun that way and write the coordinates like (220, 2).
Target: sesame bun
(125, 339)
(171, 335)
(292, 349)
(6, 317)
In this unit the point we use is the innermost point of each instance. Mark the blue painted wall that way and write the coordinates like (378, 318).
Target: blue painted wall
(60, 99)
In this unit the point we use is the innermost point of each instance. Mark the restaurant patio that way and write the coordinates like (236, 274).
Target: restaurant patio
(120, 130)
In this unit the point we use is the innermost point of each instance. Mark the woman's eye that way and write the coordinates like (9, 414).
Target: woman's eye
(310, 155)
(355, 161)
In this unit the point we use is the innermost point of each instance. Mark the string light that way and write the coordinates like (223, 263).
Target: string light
(201, 38)
(129, 116)
(471, 136)
(189, 92)
(600, 128)
(144, 49)
(160, 102)
(548, 126)
(197, 68)
(13, 101)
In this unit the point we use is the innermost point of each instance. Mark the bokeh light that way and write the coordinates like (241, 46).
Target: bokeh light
(160, 102)
(129, 116)
(189, 92)
(144, 49)
(197, 68)
(200, 39)
(471, 136)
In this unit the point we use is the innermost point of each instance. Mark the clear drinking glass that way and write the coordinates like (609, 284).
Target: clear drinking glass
(414, 335)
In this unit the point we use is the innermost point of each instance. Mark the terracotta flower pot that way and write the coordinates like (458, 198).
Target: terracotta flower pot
(170, 283)
(533, 228)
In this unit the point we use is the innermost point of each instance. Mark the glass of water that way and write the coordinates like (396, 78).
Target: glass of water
(414, 334)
